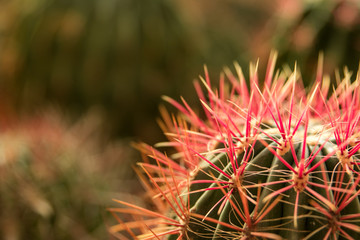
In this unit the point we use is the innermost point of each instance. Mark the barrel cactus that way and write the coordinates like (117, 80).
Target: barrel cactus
(271, 159)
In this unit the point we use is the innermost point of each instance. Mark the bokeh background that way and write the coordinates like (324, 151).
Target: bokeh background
(81, 79)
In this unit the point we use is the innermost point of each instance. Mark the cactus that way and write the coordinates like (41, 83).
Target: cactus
(269, 161)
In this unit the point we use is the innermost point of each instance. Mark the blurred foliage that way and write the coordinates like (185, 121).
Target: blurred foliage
(57, 179)
(124, 54)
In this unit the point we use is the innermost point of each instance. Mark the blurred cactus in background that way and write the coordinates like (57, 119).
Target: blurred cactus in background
(79, 53)
(303, 28)
(57, 179)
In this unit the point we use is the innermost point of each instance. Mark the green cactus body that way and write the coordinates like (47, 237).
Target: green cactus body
(277, 163)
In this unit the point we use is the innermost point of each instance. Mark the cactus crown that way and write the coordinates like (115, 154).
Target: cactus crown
(275, 161)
